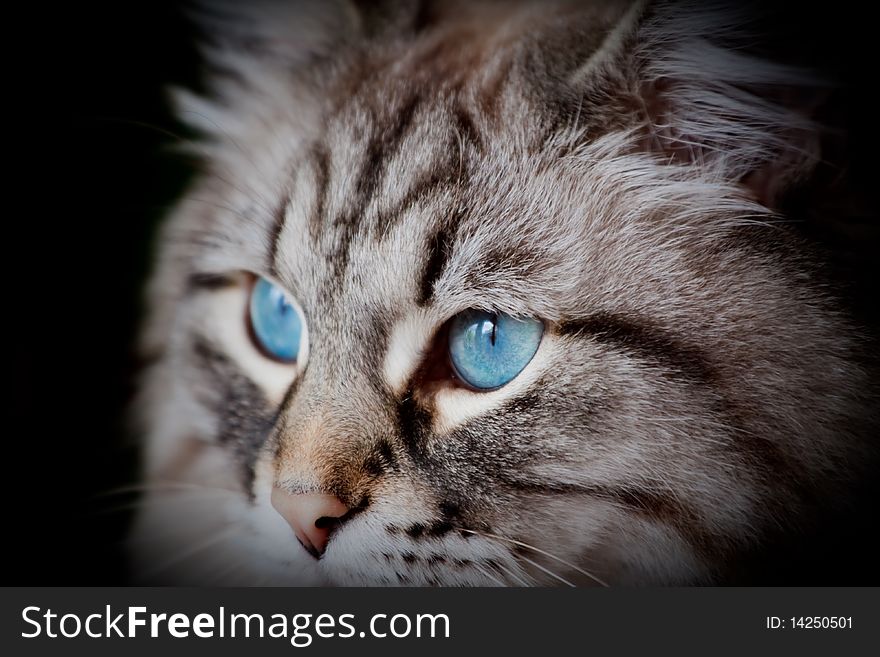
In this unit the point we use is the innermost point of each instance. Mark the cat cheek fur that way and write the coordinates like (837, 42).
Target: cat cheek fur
(595, 165)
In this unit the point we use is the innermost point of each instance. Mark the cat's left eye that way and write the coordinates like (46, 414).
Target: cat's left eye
(277, 325)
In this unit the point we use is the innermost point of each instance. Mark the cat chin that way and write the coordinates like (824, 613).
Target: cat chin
(199, 535)
(188, 539)
(218, 540)
(251, 552)
(210, 539)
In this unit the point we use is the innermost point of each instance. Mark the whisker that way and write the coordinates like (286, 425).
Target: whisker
(145, 503)
(149, 126)
(161, 486)
(194, 550)
(117, 508)
(197, 146)
(548, 571)
(232, 570)
(513, 575)
(231, 139)
(539, 551)
(485, 571)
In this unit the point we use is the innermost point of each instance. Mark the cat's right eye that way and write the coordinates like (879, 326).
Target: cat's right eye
(489, 350)
(277, 325)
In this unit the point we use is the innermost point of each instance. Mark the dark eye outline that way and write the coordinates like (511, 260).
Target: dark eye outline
(437, 369)
(251, 331)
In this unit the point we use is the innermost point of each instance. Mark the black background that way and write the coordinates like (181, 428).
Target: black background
(485, 621)
(98, 180)
(84, 194)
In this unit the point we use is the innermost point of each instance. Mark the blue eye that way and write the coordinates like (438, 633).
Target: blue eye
(276, 323)
(489, 349)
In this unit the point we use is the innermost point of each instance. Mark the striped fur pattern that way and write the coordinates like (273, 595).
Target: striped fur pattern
(600, 166)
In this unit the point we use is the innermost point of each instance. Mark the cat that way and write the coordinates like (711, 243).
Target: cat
(491, 293)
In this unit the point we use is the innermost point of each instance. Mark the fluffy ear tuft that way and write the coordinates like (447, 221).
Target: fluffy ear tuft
(705, 101)
(293, 33)
(262, 49)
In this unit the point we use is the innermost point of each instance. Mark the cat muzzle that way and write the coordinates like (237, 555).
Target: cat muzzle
(312, 516)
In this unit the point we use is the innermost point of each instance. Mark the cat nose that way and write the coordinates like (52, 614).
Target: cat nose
(312, 516)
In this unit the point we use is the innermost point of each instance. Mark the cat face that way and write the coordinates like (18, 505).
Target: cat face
(459, 306)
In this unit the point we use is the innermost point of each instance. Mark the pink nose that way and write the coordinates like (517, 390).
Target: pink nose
(312, 517)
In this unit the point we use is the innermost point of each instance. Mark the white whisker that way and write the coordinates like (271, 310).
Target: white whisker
(195, 550)
(514, 576)
(548, 571)
(163, 487)
(539, 551)
(488, 574)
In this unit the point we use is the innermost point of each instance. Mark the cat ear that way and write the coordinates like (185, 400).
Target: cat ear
(260, 47)
(704, 101)
(293, 33)
(693, 95)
